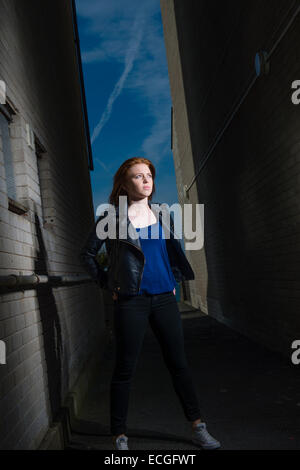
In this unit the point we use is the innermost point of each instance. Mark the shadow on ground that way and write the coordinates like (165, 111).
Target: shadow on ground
(249, 395)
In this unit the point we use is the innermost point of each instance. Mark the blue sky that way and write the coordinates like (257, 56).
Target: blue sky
(127, 91)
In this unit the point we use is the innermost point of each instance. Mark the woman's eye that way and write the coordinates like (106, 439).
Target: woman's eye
(137, 176)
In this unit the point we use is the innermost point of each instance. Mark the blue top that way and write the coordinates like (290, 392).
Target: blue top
(157, 275)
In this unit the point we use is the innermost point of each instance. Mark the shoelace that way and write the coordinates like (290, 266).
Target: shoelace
(203, 433)
(122, 443)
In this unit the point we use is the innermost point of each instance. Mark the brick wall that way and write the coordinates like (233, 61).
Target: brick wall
(50, 332)
(182, 152)
(250, 183)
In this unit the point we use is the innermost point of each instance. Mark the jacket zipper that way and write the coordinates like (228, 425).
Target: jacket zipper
(125, 241)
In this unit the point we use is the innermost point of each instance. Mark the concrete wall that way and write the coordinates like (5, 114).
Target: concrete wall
(250, 183)
(51, 333)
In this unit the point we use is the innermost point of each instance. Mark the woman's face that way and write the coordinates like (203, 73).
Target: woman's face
(139, 181)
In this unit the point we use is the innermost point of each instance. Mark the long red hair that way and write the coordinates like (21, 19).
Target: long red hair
(120, 176)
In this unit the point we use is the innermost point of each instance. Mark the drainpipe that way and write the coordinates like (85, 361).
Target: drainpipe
(14, 280)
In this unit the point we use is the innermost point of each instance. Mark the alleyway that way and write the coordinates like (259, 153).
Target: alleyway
(249, 395)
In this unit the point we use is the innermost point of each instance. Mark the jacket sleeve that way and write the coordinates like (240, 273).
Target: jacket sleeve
(87, 257)
(185, 272)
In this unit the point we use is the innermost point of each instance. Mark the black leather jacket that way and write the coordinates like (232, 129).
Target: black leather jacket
(126, 258)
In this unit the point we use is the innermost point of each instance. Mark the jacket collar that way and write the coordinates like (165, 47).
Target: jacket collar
(136, 241)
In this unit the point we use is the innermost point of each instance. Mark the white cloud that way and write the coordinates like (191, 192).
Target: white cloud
(130, 56)
(141, 49)
(103, 165)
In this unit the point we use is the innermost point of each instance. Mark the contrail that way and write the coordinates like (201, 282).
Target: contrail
(129, 60)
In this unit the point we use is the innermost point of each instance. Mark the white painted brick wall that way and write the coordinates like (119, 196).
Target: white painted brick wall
(29, 319)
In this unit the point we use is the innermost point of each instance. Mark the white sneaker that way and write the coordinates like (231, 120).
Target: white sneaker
(202, 438)
(121, 443)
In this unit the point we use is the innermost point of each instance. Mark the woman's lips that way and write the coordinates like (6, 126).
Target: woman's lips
(146, 187)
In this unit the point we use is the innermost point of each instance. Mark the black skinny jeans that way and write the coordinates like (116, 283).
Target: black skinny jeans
(131, 316)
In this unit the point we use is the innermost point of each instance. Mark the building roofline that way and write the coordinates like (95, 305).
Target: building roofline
(82, 90)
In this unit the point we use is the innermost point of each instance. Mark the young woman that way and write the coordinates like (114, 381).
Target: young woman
(141, 276)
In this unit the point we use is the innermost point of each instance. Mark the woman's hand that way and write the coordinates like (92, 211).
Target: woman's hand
(115, 296)
(174, 291)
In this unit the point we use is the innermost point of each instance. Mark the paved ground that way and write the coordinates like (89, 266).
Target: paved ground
(249, 395)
